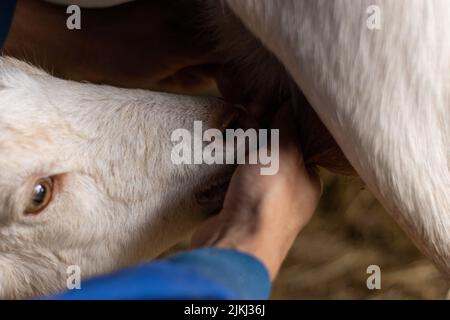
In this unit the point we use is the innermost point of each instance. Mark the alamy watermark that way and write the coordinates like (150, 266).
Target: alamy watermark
(374, 20)
(235, 147)
(374, 280)
(73, 281)
(73, 22)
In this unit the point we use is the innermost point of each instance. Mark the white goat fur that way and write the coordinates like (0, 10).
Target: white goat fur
(118, 198)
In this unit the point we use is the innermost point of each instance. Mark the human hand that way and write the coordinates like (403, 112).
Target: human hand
(262, 215)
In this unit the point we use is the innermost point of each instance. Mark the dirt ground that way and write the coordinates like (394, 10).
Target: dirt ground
(350, 232)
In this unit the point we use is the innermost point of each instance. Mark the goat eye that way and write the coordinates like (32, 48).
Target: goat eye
(40, 196)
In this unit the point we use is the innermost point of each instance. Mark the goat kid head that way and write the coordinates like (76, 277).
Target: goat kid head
(87, 179)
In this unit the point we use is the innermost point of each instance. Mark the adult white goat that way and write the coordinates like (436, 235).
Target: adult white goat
(383, 94)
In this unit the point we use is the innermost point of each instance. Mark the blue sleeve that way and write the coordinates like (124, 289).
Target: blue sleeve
(6, 13)
(208, 273)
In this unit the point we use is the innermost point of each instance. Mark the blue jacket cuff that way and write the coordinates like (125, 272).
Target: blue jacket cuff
(240, 273)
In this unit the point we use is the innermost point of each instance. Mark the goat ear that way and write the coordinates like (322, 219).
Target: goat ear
(12, 63)
(15, 73)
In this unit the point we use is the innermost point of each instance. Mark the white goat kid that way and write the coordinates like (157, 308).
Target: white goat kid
(86, 177)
